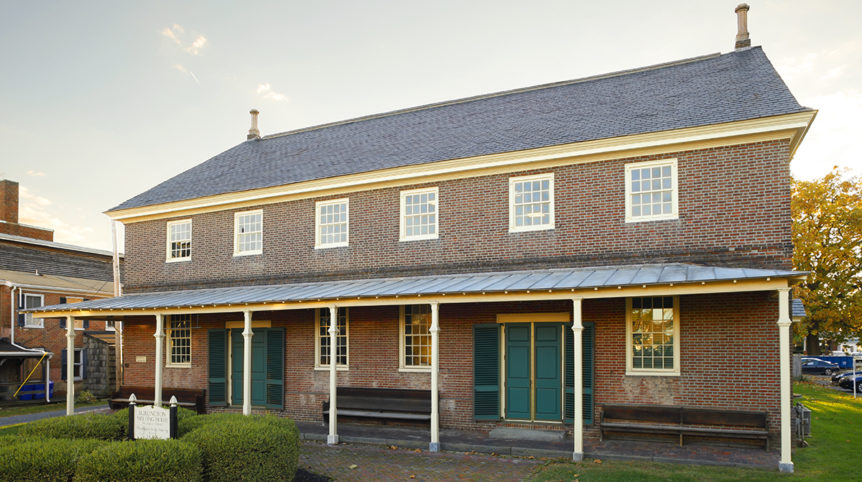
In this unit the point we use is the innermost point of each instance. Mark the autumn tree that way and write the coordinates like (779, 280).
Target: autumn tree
(827, 240)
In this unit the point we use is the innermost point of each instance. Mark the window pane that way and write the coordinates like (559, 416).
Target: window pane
(652, 338)
(417, 340)
(530, 208)
(419, 218)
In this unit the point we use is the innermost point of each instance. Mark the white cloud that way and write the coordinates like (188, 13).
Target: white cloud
(265, 91)
(29, 197)
(197, 45)
(184, 70)
(33, 173)
(40, 211)
(175, 34)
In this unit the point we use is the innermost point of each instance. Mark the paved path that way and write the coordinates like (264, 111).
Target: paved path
(30, 417)
(381, 463)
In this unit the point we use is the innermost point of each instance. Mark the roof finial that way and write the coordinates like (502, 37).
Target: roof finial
(253, 133)
(742, 39)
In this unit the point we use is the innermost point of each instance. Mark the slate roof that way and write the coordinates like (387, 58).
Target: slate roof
(27, 256)
(452, 284)
(713, 89)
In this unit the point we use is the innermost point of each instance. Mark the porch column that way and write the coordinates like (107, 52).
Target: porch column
(246, 363)
(332, 438)
(578, 352)
(434, 446)
(786, 464)
(160, 342)
(70, 365)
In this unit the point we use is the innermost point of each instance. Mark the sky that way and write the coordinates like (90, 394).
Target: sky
(102, 100)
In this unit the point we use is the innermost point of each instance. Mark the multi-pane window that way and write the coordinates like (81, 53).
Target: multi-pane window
(323, 338)
(179, 340)
(653, 335)
(33, 301)
(419, 214)
(651, 191)
(78, 363)
(416, 337)
(331, 223)
(180, 240)
(248, 233)
(531, 202)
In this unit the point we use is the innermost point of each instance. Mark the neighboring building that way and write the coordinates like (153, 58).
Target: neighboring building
(470, 246)
(36, 271)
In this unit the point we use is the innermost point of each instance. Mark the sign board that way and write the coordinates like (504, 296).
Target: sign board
(152, 422)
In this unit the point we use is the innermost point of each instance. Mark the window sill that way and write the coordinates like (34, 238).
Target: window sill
(185, 365)
(522, 229)
(651, 373)
(338, 368)
(414, 369)
(33, 326)
(418, 238)
(177, 260)
(327, 246)
(247, 253)
(669, 217)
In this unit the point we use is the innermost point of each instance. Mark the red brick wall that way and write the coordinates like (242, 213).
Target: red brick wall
(728, 343)
(734, 207)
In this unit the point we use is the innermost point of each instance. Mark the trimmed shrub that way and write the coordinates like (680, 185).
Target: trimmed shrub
(258, 447)
(191, 424)
(43, 459)
(91, 425)
(86, 397)
(182, 414)
(164, 460)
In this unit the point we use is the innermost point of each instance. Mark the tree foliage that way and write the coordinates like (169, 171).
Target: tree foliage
(827, 238)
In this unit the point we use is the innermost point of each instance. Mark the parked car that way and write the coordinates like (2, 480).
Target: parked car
(851, 382)
(816, 366)
(836, 378)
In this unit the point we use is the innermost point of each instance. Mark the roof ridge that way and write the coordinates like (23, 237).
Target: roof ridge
(474, 98)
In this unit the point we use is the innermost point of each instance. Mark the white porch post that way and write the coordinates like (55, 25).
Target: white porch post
(332, 438)
(246, 363)
(786, 464)
(70, 365)
(160, 342)
(434, 446)
(578, 348)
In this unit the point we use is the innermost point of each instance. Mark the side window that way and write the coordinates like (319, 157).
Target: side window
(652, 191)
(322, 345)
(331, 223)
(248, 233)
(179, 240)
(652, 330)
(415, 337)
(419, 215)
(179, 350)
(33, 301)
(531, 203)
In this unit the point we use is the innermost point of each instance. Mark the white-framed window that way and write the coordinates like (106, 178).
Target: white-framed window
(652, 191)
(78, 361)
(342, 354)
(248, 233)
(419, 214)
(415, 337)
(332, 223)
(111, 325)
(652, 335)
(179, 352)
(531, 203)
(179, 242)
(33, 301)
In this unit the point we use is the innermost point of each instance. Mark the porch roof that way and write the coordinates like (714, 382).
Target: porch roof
(12, 350)
(546, 280)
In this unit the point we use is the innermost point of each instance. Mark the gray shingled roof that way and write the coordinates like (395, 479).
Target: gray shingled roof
(452, 284)
(707, 90)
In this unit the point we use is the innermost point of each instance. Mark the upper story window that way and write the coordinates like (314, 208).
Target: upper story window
(179, 242)
(248, 233)
(531, 203)
(419, 214)
(331, 223)
(323, 338)
(652, 329)
(416, 337)
(33, 301)
(651, 191)
(179, 341)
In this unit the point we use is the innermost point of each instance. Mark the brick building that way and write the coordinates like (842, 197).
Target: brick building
(36, 271)
(527, 256)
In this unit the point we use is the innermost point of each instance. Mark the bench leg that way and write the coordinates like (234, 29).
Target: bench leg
(680, 439)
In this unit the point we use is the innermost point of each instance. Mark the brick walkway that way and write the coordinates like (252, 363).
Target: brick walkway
(374, 462)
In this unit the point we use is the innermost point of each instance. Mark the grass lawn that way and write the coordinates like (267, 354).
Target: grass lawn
(12, 410)
(832, 454)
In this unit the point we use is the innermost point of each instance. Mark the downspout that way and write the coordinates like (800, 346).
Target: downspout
(12, 318)
(118, 325)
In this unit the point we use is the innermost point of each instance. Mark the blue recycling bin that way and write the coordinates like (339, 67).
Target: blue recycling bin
(36, 391)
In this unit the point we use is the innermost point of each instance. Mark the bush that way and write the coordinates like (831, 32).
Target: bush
(86, 397)
(91, 426)
(190, 424)
(164, 460)
(182, 414)
(43, 459)
(247, 448)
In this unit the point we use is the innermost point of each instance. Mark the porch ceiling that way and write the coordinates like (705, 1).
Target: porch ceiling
(564, 282)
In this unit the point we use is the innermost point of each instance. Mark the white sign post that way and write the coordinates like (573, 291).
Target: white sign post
(152, 422)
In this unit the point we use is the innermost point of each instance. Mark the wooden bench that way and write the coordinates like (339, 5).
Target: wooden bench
(383, 403)
(186, 397)
(683, 421)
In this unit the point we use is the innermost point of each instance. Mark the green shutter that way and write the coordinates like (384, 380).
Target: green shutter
(486, 372)
(589, 340)
(217, 368)
(275, 368)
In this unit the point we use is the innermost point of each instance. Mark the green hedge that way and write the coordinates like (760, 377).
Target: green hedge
(248, 448)
(191, 424)
(90, 426)
(164, 460)
(182, 414)
(44, 459)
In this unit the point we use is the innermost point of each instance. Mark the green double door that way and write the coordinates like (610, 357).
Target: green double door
(258, 366)
(534, 388)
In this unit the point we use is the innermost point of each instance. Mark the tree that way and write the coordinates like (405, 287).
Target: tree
(827, 240)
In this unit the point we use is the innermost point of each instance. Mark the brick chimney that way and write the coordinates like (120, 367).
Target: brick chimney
(253, 133)
(742, 40)
(9, 215)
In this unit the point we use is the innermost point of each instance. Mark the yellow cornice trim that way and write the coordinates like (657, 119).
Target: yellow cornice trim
(670, 289)
(788, 126)
(254, 324)
(534, 317)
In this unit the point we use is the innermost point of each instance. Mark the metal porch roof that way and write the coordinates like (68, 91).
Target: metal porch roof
(470, 283)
